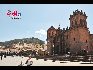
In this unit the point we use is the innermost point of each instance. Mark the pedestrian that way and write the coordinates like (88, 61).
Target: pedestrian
(22, 60)
(1, 56)
(29, 62)
(21, 64)
(5, 55)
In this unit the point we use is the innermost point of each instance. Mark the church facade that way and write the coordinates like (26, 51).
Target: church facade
(73, 39)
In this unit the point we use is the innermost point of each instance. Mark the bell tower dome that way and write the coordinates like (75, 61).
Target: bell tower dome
(78, 19)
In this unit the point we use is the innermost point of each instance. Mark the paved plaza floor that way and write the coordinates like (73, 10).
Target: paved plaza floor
(15, 61)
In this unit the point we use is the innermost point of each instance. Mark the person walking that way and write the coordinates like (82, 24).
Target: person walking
(1, 55)
(5, 55)
(21, 64)
(29, 62)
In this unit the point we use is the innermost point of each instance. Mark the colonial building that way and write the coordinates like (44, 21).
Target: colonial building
(73, 39)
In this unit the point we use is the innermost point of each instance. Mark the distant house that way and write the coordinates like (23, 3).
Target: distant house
(42, 52)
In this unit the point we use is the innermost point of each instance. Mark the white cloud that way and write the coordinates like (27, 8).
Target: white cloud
(41, 32)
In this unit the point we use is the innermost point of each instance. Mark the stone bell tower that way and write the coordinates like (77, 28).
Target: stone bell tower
(79, 33)
(51, 32)
(78, 19)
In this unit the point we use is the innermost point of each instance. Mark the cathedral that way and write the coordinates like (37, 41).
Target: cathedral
(74, 39)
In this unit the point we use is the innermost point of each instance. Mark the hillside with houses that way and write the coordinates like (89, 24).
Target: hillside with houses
(25, 46)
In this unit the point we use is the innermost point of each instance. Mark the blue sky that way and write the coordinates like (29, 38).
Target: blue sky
(37, 18)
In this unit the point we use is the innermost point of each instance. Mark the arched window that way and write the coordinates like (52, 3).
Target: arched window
(72, 23)
(75, 22)
(81, 22)
(86, 41)
(84, 21)
(52, 33)
(74, 39)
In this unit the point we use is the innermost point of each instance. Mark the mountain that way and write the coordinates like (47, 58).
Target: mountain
(21, 41)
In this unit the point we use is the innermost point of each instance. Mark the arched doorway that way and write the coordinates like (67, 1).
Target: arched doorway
(83, 52)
